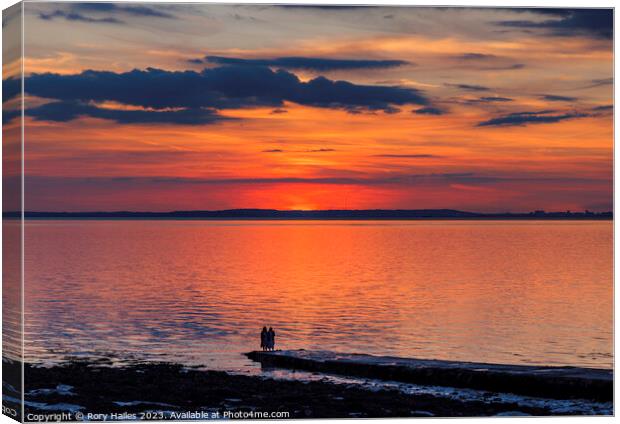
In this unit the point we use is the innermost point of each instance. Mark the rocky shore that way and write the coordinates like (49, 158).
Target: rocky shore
(169, 390)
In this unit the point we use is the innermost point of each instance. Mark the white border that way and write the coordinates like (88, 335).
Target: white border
(480, 3)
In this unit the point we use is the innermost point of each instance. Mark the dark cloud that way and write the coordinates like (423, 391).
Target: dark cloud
(569, 22)
(11, 87)
(74, 16)
(556, 98)
(524, 118)
(491, 62)
(308, 63)
(134, 10)
(199, 94)
(475, 56)
(600, 82)
(91, 13)
(278, 111)
(603, 108)
(9, 115)
(429, 111)
(370, 180)
(323, 92)
(68, 110)
(514, 66)
(418, 156)
(388, 110)
(300, 151)
(469, 87)
(491, 99)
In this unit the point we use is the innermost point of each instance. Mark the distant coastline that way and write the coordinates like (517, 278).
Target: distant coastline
(365, 214)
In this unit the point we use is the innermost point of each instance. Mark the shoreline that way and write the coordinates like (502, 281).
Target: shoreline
(171, 389)
(319, 214)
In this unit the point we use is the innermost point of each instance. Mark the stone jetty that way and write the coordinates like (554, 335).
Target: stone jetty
(539, 381)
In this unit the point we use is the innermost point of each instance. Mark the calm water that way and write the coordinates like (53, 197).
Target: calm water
(198, 292)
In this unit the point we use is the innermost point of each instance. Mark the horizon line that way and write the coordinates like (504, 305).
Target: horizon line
(310, 211)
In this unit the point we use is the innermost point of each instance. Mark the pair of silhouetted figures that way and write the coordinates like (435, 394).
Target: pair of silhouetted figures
(267, 339)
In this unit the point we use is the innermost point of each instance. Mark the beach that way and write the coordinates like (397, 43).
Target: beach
(171, 388)
(100, 390)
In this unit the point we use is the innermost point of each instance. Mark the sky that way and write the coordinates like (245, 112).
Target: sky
(161, 107)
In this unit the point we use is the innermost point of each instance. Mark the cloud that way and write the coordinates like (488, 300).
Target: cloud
(596, 23)
(406, 179)
(8, 115)
(134, 10)
(83, 12)
(524, 118)
(556, 98)
(389, 110)
(554, 11)
(73, 16)
(603, 108)
(469, 87)
(491, 99)
(307, 63)
(199, 94)
(11, 87)
(489, 62)
(278, 111)
(299, 151)
(600, 82)
(476, 56)
(429, 111)
(415, 156)
(487, 99)
(64, 111)
(505, 67)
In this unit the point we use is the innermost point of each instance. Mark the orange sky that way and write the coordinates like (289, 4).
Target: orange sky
(467, 66)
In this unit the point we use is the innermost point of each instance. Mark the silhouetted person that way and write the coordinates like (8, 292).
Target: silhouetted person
(263, 339)
(271, 339)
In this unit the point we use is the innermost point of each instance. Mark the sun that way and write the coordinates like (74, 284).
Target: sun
(303, 206)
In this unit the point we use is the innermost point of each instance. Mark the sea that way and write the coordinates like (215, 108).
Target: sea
(198, 292)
